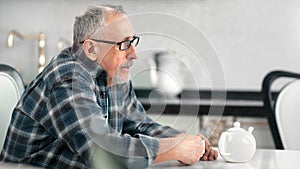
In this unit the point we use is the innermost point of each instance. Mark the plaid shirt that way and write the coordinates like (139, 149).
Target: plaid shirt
(69, 108)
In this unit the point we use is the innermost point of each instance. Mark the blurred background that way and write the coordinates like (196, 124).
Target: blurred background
(227, 45)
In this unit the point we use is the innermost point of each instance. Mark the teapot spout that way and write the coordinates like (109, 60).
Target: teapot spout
(250, 129)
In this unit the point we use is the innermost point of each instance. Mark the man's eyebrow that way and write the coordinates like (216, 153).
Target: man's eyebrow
(129, 37)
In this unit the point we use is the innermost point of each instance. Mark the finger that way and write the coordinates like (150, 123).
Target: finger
(216, 154)
(205, 156)
(211, 155)
(207, 144)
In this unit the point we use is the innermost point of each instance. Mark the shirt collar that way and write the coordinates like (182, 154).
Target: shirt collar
(92, 67)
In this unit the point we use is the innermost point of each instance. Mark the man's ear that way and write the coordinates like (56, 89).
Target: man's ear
(89, 50)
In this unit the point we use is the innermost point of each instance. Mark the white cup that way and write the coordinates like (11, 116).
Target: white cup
(202, 143)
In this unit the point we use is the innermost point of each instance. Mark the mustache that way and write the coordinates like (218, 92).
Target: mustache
(126, 64)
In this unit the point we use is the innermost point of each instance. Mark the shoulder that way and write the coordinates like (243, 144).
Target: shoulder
(65, 67)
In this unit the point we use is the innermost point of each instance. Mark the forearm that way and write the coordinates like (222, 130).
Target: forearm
(149, 128)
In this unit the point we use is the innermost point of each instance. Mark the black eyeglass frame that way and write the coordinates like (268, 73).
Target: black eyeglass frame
(119, 43)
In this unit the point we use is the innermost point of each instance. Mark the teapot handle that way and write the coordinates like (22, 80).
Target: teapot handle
(223, 144)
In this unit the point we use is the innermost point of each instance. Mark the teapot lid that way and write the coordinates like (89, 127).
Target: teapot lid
(236, 127)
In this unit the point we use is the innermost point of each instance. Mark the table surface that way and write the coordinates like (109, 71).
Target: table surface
(263, 159)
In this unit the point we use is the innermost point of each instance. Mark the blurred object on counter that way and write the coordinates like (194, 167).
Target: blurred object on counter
(167, 72)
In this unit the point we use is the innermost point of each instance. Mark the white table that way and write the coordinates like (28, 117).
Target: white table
(263, 159)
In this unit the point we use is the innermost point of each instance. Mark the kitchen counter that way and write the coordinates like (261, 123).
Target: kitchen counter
(229, 103)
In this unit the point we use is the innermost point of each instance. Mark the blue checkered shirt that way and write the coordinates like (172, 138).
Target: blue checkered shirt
(69, 108)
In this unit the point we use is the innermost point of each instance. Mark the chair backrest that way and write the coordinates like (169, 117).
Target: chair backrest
(287, 113)
(11, 88)
(281, 109)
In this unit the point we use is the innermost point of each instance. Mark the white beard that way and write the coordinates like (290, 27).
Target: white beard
(120, 78)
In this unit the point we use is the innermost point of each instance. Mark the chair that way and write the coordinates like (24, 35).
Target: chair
(11, 88)
(283, 109)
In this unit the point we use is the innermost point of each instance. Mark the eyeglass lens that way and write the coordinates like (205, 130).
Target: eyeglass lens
(126, 44)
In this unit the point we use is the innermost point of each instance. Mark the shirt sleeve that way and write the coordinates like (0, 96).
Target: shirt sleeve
(77, 119)
(137, 122)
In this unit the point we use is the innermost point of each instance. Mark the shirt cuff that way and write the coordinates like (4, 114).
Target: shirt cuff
(151, 145)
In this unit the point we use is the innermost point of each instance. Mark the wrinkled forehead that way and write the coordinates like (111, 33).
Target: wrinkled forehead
(117, 28)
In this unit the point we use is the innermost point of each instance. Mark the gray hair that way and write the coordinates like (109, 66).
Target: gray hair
(91, 22)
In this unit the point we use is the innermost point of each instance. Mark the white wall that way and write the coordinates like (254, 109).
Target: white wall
(238, 41)
(250, 37)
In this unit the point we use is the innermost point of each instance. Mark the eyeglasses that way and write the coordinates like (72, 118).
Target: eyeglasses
(123, 45)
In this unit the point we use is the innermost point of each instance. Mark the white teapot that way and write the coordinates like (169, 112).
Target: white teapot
(237, 144)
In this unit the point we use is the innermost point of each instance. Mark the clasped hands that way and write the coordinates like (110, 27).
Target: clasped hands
(191, 151)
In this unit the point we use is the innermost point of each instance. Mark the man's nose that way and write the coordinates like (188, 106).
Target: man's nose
(132, 52)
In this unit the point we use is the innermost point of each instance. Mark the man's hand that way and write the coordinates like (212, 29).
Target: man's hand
(186, 149)
(210, 154)
(189, 149)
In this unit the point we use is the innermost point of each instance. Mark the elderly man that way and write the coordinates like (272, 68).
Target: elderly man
(84, 98)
